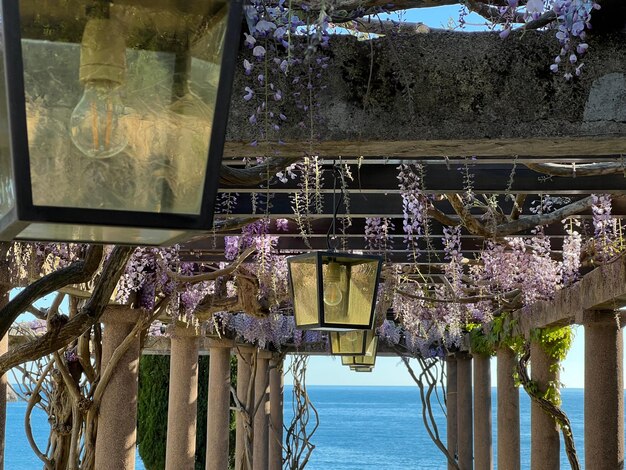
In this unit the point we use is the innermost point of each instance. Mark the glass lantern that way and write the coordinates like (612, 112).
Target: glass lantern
(366, 360)
(113, 117)
(350, 343)
(334, 291)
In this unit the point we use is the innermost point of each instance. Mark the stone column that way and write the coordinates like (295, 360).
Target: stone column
(604, 392)
(508, 412)
(483, 455)
(182, 410)
(276, 415)
(261, 422)
(218, 408)
(451, 406)
(244, 361)
(544, 432)
(4, 348)
(117, 419)
(464, 411)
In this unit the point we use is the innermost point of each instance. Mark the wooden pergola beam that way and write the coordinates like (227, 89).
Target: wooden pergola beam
(441, 179)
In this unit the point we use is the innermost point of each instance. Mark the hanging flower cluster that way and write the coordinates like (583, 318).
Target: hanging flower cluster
(378, 234)
(521, 265)
(269, 268)
(281, 45)
(414, 204)
(605, 228)
(31, 260)
(146, 274)
(389, 332)
(572, 249)
(272, 331)
(574, 18)
(454, 256)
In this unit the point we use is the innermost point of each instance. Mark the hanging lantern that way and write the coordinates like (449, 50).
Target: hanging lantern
(358, 361)
(113, 117)
(350, 343)
(366, 360)
(334, 291)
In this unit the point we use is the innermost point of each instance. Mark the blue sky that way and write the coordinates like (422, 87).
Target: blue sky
(444, 17)
(392, 372)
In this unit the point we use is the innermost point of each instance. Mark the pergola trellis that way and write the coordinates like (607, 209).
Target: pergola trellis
(524, 134)
(490, 113)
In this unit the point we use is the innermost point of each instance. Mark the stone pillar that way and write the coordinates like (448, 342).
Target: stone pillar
(243, 383)
(4, 348)
(276, 415)
(218, 408)
(508, 412)
(117, 419)
(261, 422)
(604, 392)
(464, 411)
(182, 410)
(451, 406)
(483, 455)
(544, 432)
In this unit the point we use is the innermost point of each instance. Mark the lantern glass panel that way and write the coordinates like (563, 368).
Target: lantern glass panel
(335, 292)
(369, 359)
(120, 101)
(130, 235)
(357, 283)
(349, 342)
(7, 190)
(364, 360)
(371, 345)
(303, 273)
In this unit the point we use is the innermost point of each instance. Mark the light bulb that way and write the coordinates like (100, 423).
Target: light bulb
(332, 291)
(95, 125)
(332, 294)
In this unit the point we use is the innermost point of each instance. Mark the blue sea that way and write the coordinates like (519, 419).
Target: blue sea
(381, 428)
(360, 428)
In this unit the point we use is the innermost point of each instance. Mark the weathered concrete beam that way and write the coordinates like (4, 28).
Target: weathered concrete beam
(442, 94)
(603, 289)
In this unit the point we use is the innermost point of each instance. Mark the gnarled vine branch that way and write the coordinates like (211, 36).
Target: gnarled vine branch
(76, 273)
(68, 330)
(557, 413)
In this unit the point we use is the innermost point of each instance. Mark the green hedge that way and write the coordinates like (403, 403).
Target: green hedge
(152, 411)
(154, 381)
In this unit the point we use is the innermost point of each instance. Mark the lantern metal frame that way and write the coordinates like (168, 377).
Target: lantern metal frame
(367, 337)
(318, 256)
(362, 368)
(24, 212)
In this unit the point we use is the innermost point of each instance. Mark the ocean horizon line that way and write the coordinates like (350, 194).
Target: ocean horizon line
(395, 386)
